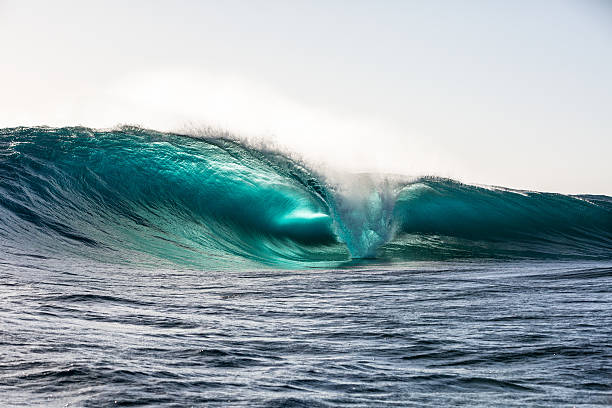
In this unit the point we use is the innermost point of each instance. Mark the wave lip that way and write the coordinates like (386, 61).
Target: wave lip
(136, 195)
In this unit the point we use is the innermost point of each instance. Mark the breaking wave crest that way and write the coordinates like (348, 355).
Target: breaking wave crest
(140, 196)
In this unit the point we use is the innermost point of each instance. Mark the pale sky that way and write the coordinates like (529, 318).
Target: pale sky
(511, 93)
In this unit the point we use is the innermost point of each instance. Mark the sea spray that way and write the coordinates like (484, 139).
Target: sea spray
(363, 212)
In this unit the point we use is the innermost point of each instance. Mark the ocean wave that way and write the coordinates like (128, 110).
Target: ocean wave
(140, 196)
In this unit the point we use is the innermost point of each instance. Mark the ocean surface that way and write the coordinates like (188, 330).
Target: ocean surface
(145, 268)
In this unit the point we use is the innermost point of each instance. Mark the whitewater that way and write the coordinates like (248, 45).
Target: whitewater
(150, 268)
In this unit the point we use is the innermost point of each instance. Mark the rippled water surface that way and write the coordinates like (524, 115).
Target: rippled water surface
(412, 334)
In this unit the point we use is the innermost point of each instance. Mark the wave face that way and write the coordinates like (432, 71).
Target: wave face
(140, 196)
(446, 219)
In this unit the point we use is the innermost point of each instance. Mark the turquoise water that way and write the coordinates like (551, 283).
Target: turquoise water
(139, 196)
(140, 268)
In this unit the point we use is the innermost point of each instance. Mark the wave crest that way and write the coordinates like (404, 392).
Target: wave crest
(136, 195)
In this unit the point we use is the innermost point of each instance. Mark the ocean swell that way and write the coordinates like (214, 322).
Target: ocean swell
(140, 196)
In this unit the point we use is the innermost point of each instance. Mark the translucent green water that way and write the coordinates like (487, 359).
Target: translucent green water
(140, 196)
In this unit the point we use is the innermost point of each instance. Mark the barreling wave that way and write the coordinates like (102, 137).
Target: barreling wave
(139, 196)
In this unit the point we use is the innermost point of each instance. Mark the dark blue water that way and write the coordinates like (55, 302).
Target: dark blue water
(412, 334)
(145, 268)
